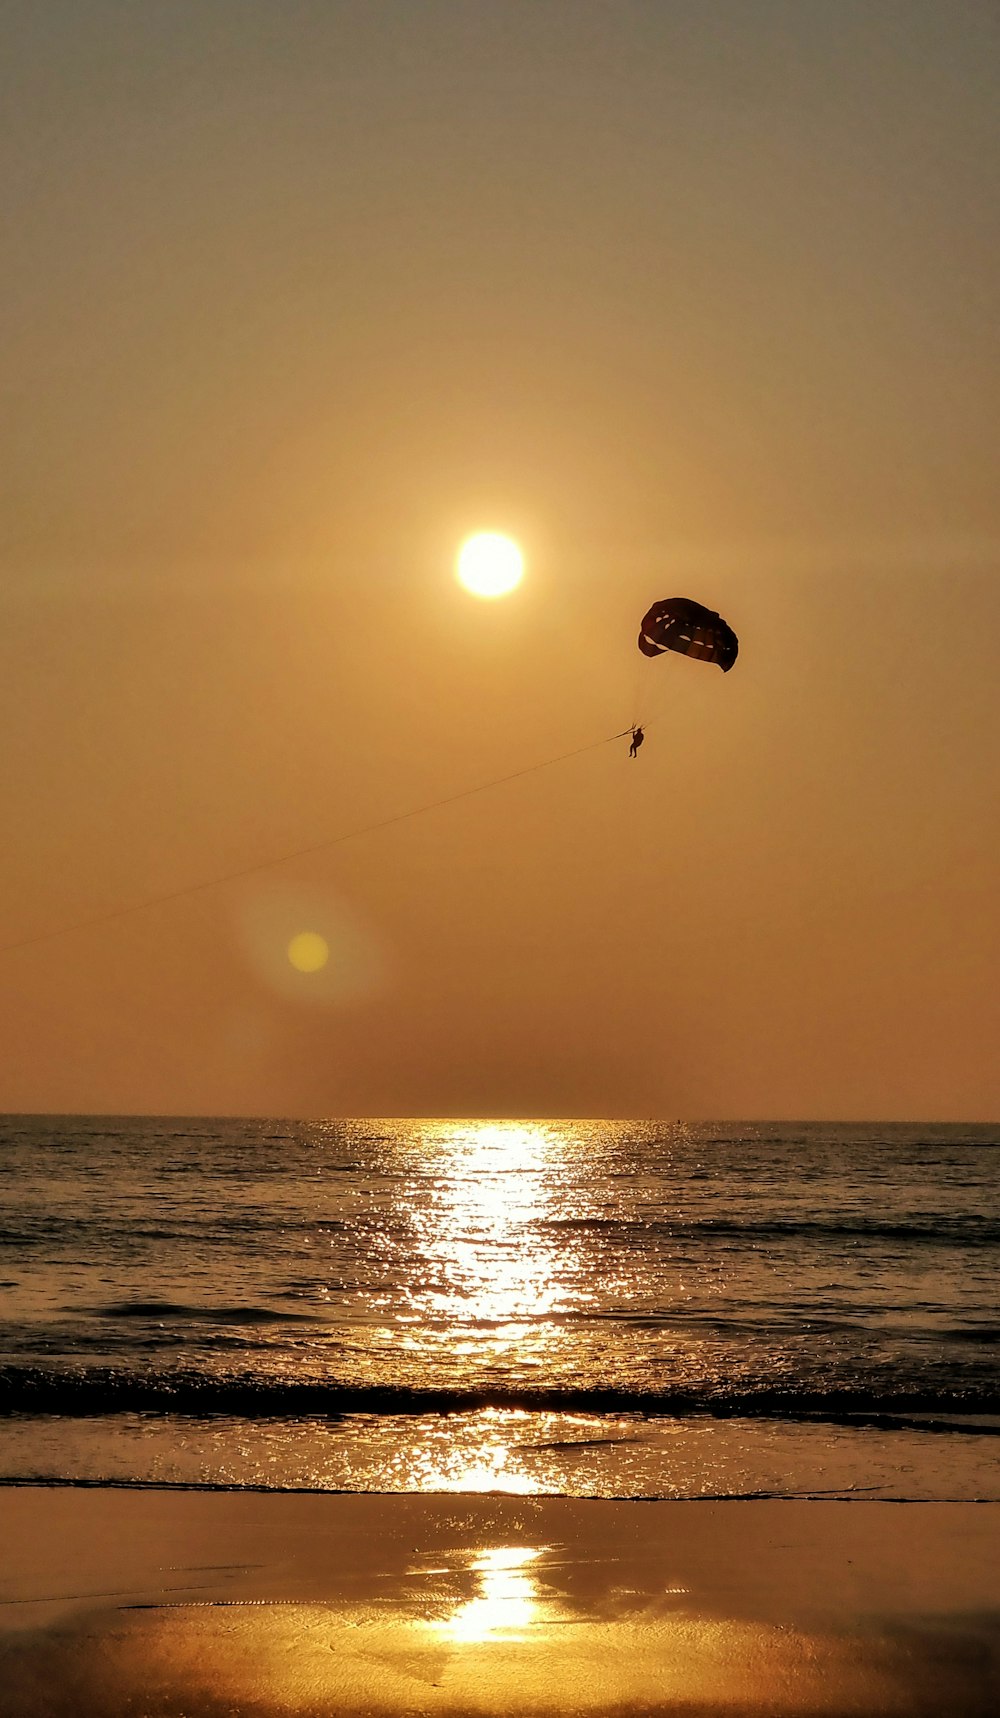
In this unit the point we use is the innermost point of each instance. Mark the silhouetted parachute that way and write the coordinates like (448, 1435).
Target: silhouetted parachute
(685, 626)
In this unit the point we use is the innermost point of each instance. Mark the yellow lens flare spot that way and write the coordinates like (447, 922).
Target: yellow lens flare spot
(308, 952)
(489, 565)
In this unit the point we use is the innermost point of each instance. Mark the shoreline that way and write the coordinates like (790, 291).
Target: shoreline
(507, 1452)
(170, 1601)
(211, 1487)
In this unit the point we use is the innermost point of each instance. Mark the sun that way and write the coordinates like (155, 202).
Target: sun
(489, 565)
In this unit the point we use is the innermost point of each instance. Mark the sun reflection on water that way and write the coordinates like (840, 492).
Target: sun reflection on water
(494, 1279)
(473, 1452)
(497, 1283)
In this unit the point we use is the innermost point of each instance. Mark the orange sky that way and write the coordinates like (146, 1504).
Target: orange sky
(691, 300)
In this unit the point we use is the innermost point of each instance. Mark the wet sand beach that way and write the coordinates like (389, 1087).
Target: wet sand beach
(165, 1603)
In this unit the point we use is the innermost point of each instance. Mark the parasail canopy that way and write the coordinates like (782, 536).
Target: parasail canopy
(679, 624)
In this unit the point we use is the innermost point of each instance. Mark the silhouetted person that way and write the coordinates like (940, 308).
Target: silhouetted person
(637, 738)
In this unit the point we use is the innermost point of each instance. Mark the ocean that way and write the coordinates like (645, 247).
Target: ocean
(613, 1309)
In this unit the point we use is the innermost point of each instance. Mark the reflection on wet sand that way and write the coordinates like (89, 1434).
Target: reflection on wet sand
(503, 1606)
(509, 1600)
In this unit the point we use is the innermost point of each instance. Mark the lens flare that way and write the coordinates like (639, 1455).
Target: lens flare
(308, 951)
(309, 945)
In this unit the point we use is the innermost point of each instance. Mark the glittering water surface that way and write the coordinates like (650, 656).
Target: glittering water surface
(243, 1290)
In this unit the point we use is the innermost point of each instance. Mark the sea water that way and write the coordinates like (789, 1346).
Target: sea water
(620, 1309)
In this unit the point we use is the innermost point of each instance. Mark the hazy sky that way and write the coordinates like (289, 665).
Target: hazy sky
(692, 299)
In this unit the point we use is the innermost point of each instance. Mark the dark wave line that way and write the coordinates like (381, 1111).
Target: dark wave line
(165, 1309)
(831, 1494)
(753, 1322)
(972, 1230)
(100, 1393)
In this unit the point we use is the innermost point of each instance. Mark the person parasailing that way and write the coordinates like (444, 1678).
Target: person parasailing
(690, 629)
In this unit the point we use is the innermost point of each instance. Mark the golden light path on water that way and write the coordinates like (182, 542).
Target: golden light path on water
(493, 1281)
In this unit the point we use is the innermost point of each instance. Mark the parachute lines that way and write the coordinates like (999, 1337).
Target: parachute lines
(301, 852)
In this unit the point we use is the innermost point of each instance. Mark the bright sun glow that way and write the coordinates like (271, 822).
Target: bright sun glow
(490, 565)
